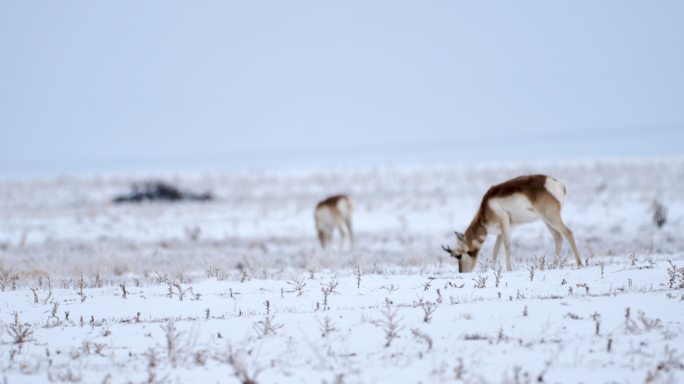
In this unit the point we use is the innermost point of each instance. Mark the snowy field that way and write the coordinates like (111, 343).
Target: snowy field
(236, 290)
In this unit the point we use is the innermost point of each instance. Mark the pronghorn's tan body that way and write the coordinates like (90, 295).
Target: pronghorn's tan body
(518, 201)
(334, 213)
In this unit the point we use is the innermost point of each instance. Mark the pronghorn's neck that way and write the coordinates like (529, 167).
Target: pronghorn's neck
(476, 233)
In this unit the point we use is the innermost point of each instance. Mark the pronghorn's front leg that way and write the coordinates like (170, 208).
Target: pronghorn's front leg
(497, 247)
(506, 236)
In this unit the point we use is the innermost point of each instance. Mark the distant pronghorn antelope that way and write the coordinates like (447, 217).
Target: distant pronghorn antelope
(517, 201)
(334, 213)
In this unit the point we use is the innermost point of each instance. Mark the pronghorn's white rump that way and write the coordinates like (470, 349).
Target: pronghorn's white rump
(556, 188)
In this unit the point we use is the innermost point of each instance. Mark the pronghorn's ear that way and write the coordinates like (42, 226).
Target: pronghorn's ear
(460, 237)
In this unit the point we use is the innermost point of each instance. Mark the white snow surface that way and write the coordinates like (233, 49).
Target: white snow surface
(236, 289)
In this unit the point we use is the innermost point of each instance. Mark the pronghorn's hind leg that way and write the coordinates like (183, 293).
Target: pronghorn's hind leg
(551, 213)
(567, 233)
(557, 238)
(497, 248)
(342, 233)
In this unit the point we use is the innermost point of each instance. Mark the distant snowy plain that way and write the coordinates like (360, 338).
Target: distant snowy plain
(236, 290)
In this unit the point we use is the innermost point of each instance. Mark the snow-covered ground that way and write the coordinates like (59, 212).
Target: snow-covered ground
(236, 289)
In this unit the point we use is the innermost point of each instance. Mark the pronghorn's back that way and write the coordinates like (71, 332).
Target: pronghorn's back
(338, 205)
(532, 186)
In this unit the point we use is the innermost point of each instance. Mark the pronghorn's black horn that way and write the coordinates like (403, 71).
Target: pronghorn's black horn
(447, 249)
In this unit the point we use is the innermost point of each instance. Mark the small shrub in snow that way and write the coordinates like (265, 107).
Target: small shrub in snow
(459, 370)
(214, 272)
(232, 294)
(161, 279)
(583, 285)
(558, 262)
(326, 326)
(36, 296)
(357, 272)
(659, 213)
(475, 337)
(390, 324)
(8, 279)
(181, 292)
(193, 232)
(20, 333)
(643, 325)
(124, 291)
(670, 362)
(169, 290)
(648, 324)
(267, 326)
(328, 289)
(81, 287)
(236, 361)
(172, 342)
(633, 259)
(649, 263)
(675, 276)
(297, 285)
(497, 276)
(391, 288)
(55, 308)
(200, 357)
(420, 336)
(428, 309)
(152, 364)
(480, 282)
(597, 322)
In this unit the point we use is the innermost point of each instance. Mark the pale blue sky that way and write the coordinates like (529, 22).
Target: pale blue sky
(89, 85)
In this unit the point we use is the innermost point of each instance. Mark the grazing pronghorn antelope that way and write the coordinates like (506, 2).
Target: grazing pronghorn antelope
(517, 201)
(334, 213)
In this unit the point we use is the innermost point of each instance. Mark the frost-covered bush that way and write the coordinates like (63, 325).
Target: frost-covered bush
(659, 213)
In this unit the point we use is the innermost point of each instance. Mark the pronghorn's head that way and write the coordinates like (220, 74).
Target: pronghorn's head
(465, 255)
